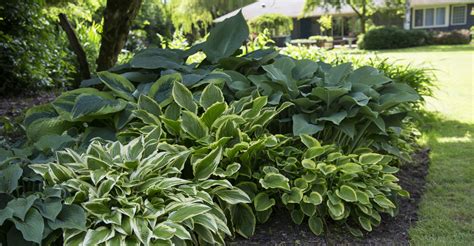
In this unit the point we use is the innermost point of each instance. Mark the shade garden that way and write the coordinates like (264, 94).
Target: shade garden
(161, 151)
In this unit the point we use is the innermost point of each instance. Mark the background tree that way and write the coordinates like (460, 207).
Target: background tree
(363, 8)
(118, 17)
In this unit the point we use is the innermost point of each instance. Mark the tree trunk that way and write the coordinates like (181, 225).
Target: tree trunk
(118, 17)
(406, 23)
(76, 47)
(362, 25)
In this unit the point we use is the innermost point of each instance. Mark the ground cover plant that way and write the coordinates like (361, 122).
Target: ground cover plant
(164, 151)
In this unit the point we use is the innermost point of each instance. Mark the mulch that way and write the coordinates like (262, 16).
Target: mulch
(14, 106)
(280, 229)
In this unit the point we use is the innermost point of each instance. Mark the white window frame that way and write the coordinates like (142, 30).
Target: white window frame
(465, 14)
(446, 16)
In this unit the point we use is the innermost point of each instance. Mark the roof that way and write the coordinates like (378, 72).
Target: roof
(436, 2)
(290, 8)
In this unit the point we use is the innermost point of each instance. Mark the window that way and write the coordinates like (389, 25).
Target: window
(458, 16)
(430, 17)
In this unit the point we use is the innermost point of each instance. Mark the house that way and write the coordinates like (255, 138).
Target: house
(304, 26)
(425, 14)
(442, 15)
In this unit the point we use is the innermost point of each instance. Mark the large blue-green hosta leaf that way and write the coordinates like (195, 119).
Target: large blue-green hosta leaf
(118, 84)
(226, 37)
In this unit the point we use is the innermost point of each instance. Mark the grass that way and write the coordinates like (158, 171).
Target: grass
(446, 214)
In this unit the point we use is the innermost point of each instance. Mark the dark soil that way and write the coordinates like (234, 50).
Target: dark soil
(280, 229)
(14, 106)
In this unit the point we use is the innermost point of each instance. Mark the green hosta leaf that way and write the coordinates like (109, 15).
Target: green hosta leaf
(335, 118)
(70, 217)
(180, 231)
(263, 216)
(21, 206)
(183, 97)
(210, 95)
(308, 164)
(362, 197)
(243, 220)
(207, 220)
(351, 168)
(275, 181)
(263, 202)
(97, 236)
(314, 152)
(203, 168)
(308, 208)
(93, 106)
(295, 195)
(337, 73)
(164, 231)
(212, 113)
(326, 169)
(149, 105)
(118, 84)
(297, 216)
(328, 95)
(309, 141)
(280, 71)
(9, 178)
(370, 158)
(230, 170)
(368, 75)
(365, 223)
(193, 126)
(316, 225)
(233, 196)
(226, 37)
(301, 125)
(161, 89)
(141, 230)
(337, 209)
(313, 198)
(6, 213)
(188, 211)
(155, 58)
(50, 207)
(32, 226)
(383, 201)
(53, 142)
(304, 69)
(347, 193)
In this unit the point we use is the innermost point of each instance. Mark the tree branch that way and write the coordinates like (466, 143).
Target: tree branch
(76, 47)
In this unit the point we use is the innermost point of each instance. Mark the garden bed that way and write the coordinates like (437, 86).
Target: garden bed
(280, 229)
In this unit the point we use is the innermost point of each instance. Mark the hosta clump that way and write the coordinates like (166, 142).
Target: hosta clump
(28, 213)
(133, 194)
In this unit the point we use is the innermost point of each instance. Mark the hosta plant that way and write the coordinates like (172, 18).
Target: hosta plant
(133, 194)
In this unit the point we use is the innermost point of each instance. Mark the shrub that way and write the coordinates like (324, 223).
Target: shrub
(168, 149)
(452, 37)
(392, 38)
(277, 24)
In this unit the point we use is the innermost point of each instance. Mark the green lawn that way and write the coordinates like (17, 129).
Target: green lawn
(446, 215)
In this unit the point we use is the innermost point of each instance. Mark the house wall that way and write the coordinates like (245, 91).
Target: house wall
(469, 20)
(305, 27)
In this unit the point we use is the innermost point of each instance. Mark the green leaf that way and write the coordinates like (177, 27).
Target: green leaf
(275, 181)
(211, 95)
(370, 158)
(188, 211)
(32, 226)
(243, 220)
(50, 207)
(161, 89)
(295, 195)
(164, 231)
(212, 113)
(335, 118)
(304, 69)
(70, 217)
(52, 142)
(308, 164)
(262, 202)
(316, 225)
(21, 206)
(365, 223)
(297, 216)
(118, 84)
(347, 194)
(309, 141)
(337, 73)
(383, 201)
(301, 125)
(149, 105)
(93, 106)
(141, 230)
(6, 213)
(280, 72)
(233, 196)
(328, 95)
(183, 97)
(337, 209)
(193, 126)
(351, 168)
(98, 235)
(313, 198)
(226, 37)
(203, 168)
(362, 197)
(9, 178)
